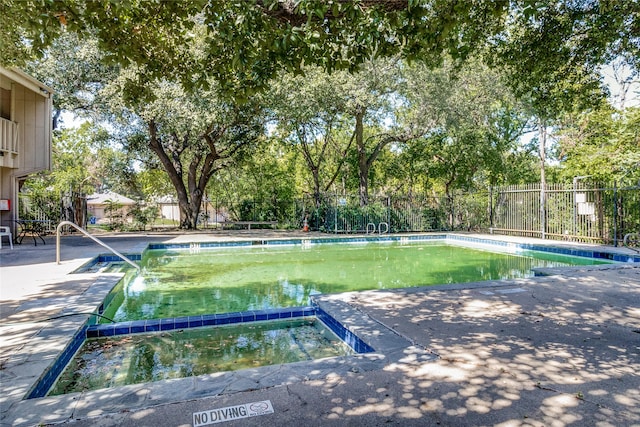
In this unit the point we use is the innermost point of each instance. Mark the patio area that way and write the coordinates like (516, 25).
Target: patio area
(557, 350)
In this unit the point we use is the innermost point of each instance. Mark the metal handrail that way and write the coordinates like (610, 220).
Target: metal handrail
(629, 236)
(86, 233)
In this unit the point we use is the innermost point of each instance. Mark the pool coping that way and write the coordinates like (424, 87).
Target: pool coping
(389, 345)
(150, 326)
(58, 332)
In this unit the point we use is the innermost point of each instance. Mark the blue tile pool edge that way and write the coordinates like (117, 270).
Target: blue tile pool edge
(47, 380)
(583, 252)
(106, 258)
(49, 377)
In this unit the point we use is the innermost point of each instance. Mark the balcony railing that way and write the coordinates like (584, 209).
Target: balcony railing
(8, 136)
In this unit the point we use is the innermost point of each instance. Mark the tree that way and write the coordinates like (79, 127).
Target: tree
(75, 68)
(142, 215)
(75, 160)
(602, 144)
(191, 136)
(157, 123)
(73, 154)
(261, 187)
(246, 43)
(552, 58)
(316, 110)
(371, 100)
(113, 209)
(78, 155)
(154, 181)
(227, 51)
(309, 117)
(468, 120)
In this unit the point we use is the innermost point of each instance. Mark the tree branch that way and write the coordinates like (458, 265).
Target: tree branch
(343, 158)
(287, 11)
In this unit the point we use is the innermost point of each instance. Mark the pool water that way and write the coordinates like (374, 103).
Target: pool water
(177, 283)
(133, 359)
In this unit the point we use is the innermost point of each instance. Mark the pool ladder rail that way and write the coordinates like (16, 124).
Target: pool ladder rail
(630, 239)
(371, 228)
(95, 239)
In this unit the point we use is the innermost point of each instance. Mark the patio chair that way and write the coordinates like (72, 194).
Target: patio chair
(6, 231)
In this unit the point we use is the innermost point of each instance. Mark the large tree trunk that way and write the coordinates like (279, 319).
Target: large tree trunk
(542, 131)
(198, 174)
(174, 171)
(363, 164)
(315, 172)
(189, 216)
(366, 159)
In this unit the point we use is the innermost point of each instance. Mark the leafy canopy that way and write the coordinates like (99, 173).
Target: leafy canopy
(243, 44)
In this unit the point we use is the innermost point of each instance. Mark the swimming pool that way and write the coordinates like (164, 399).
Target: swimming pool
(382, 255)
(136, 358)
(177, 282)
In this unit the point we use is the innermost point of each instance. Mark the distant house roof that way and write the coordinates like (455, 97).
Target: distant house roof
(166, 200)
(101, 199)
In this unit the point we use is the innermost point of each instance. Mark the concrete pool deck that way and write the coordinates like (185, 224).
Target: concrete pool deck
(556, 350)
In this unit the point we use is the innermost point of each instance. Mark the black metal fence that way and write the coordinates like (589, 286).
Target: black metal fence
(343, 213)
(580, 212)
(576, 212)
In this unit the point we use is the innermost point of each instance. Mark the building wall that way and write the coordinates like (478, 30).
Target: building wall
(5, 191)
(30, 108)
(98, 213)
(31, 112)
(171, 212)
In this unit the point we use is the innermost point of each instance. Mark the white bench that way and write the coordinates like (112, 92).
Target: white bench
(248, 223)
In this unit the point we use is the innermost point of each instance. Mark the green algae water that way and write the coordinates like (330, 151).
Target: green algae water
(179, 283)
(134, 359)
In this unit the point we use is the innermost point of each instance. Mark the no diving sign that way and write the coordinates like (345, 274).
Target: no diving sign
(230, 413)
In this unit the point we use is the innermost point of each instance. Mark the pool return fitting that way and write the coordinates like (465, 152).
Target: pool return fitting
(95, 239)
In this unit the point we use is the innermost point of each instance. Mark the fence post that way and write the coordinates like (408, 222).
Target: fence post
(335, 215)
(575, 207)
(490, 207)
(389, 211)
(615, 213)
(543, 210)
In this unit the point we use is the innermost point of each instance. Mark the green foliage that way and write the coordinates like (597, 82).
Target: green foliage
(469, 126)
(154, 182)
(182, 86)
(547, 47)
(75, 68)
(244, 44)
(603, 144)
(552, 53)
(74, 161)
(113, 210)
(191, 136)
(312, 116)
(142, 215)
(260, 188)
